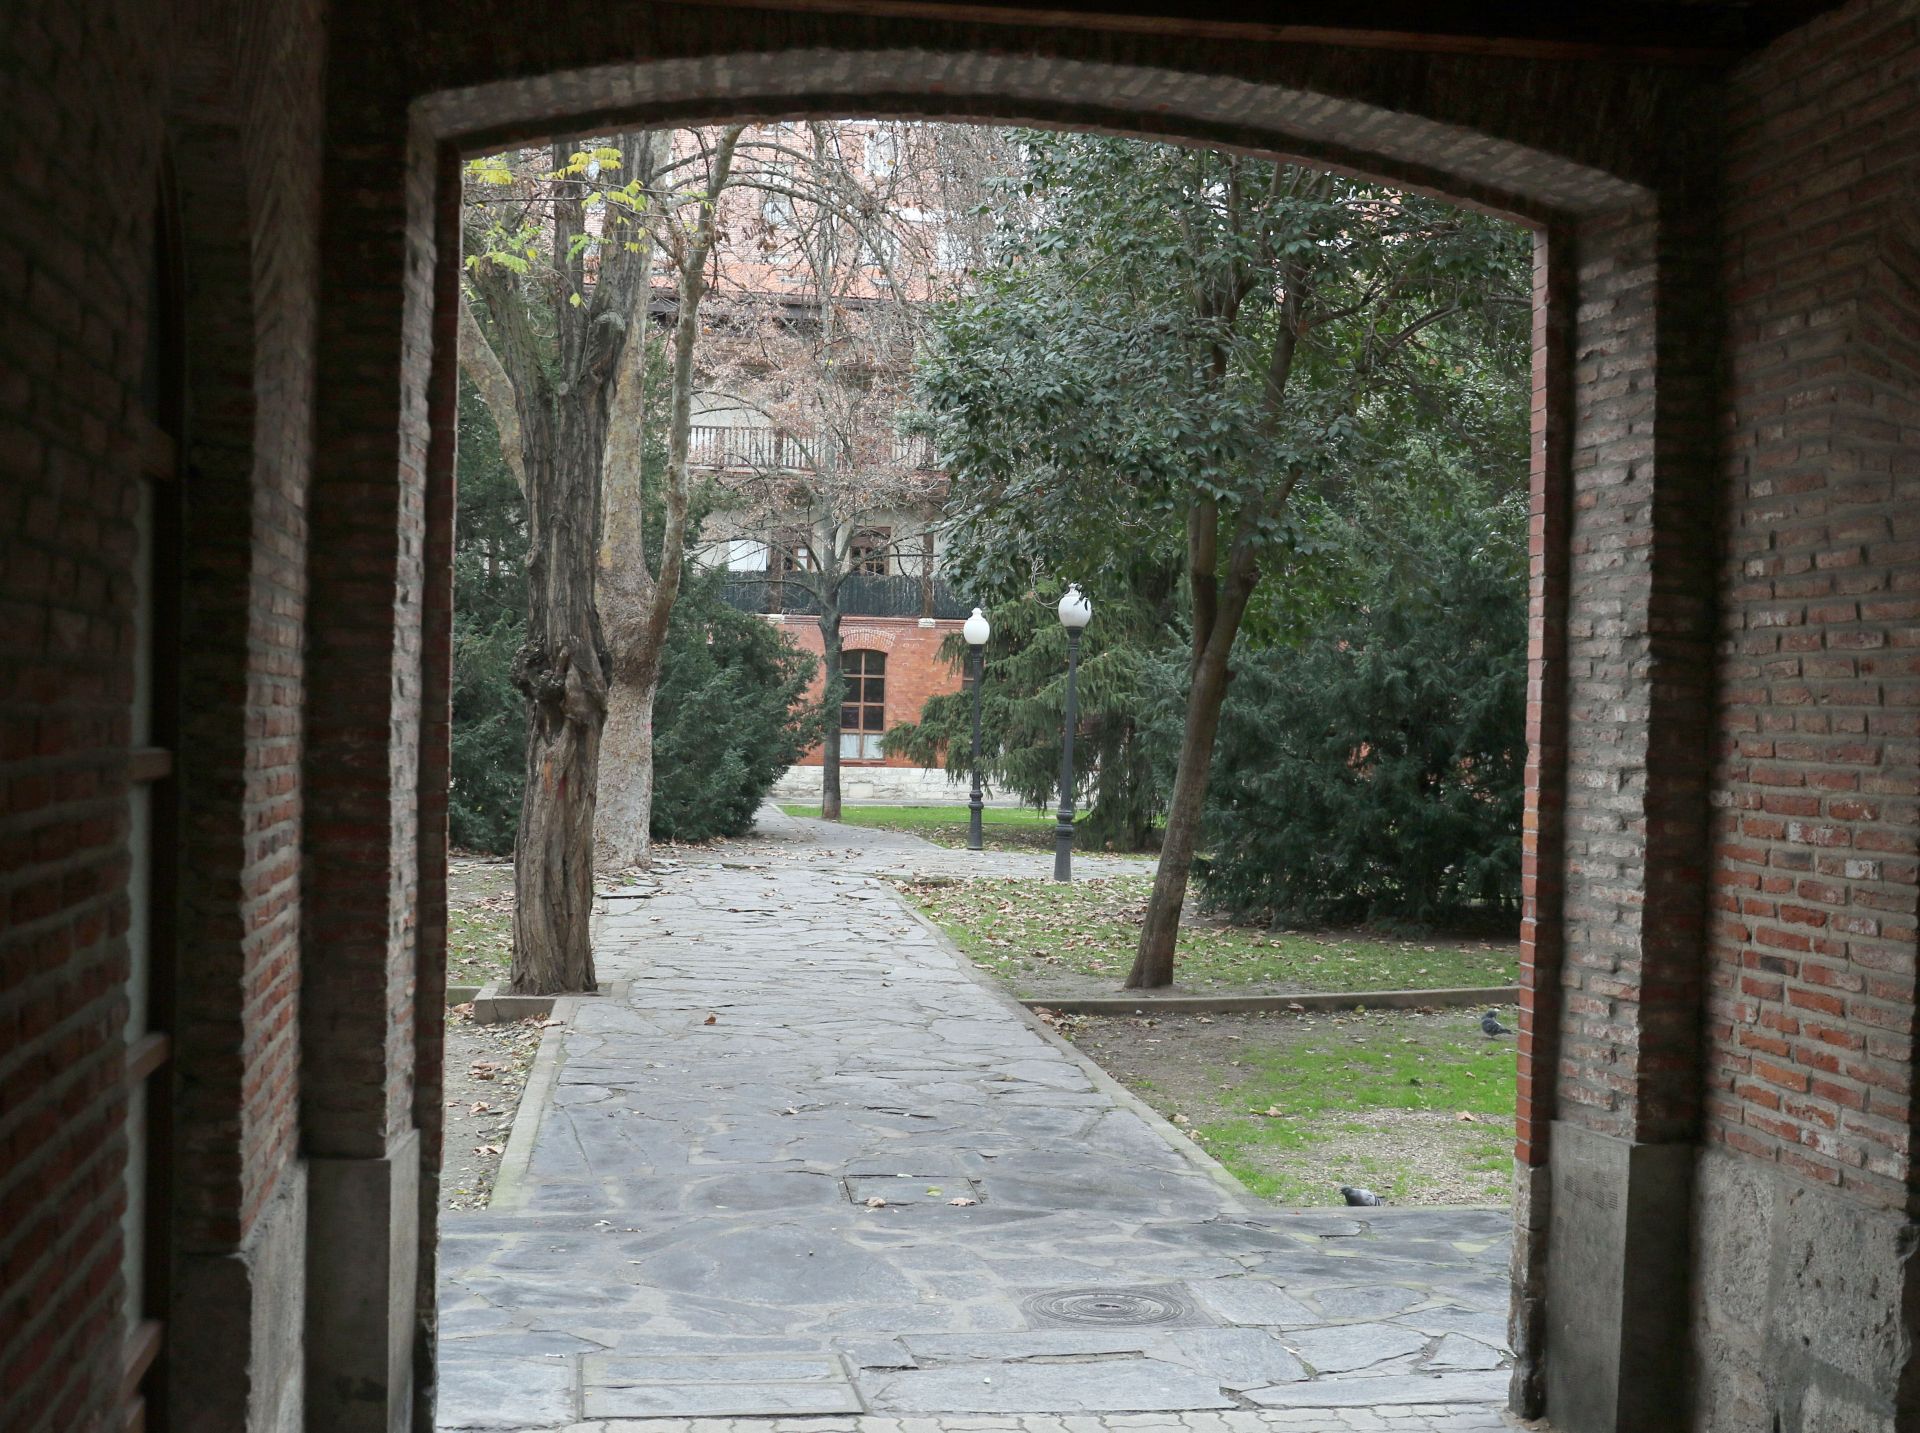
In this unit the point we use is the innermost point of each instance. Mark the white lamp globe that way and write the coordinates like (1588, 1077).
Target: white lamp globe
(977, 631)
(1075, 610)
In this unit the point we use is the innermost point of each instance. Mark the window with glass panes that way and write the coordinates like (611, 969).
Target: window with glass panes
(863, 705)
(868, 551)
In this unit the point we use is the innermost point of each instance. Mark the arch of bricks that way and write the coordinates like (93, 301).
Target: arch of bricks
(1714, 1184)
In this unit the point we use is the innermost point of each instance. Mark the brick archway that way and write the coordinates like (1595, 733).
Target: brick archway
(1621, 466)
(1720, 1034)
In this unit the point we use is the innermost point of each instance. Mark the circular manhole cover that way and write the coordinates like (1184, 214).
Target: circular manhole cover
(1108, 1306)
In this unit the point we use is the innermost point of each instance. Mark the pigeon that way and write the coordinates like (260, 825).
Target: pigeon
(1490, 1022)
(1359, 1198)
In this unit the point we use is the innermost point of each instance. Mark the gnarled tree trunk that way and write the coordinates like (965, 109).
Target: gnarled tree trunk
(561, 671)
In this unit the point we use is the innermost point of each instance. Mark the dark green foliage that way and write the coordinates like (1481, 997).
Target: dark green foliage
(730, 715)
(1132, 666)
(1375, 771)
(489, 744)
(1164, 335)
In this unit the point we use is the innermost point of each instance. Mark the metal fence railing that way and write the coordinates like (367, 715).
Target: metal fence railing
(861, 595)
(742, 449)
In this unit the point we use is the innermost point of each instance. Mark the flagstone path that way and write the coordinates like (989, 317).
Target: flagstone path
(802, 1169)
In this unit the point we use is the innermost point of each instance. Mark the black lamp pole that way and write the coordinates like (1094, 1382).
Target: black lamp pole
(1063, 833)
(974, 802)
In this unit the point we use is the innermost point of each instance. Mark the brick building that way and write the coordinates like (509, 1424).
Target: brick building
(819, 478)
(226, 426)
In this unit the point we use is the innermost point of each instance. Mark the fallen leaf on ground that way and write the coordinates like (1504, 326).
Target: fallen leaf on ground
(478, 1106)
(487, 1149)
(1465, 1117)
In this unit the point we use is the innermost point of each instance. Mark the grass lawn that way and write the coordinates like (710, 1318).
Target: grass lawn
(1003, 828)
(1047, 939)
(1416, 1107)
(479, 919)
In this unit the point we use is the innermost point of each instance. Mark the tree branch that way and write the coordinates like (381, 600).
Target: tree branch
(486, 373)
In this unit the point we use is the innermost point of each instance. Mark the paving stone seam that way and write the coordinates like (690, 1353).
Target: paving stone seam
(1177, 1139)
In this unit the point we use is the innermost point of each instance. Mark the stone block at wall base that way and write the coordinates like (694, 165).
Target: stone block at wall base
(362, 1228)
(237, 1324)
(1617, 1305)
(1805, 1305)
(1527, 1269)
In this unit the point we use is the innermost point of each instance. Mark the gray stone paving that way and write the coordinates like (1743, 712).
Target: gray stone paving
(690, 1228)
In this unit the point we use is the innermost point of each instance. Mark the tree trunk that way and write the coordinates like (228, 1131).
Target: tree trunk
(623, 825)
(553, 860)
(1153, 963)
(1218, 607)
(832, 692)
(559, 670)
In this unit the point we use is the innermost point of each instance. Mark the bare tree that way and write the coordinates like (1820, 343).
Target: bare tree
(560, 245)
(864, 225)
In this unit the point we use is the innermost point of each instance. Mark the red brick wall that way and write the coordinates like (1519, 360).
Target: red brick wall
(915, 668)
(70, 346)
(1814, 871)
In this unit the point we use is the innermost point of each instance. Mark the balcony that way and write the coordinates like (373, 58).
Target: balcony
(762, 450)
(861, 595)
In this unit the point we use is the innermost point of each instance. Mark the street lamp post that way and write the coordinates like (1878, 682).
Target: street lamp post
(1075, 613)
(976, 632)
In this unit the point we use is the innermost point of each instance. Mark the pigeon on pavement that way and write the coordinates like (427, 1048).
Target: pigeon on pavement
(1359, 1198)
(1490, 1022)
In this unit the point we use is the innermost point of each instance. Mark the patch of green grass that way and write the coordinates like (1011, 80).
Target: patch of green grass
(479, 922)
(1002, 827)
(1417, 1107)
(1300, 1100)
(1027, 930)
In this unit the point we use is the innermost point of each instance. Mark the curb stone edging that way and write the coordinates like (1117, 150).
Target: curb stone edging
(1306, 1000)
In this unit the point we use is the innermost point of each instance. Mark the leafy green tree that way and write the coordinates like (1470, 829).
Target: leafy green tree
(730, 717)
(1170, 348)
(1377, 770)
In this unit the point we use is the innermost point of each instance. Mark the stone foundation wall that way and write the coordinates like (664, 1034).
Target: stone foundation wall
(1806, 1300)
(1805, 1305)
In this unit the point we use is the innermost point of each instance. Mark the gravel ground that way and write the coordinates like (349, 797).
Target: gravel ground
(486, 1071)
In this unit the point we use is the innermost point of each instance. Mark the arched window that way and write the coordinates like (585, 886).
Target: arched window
(863, 705)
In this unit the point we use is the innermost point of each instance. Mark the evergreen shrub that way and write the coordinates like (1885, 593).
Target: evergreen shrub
(1375, 770)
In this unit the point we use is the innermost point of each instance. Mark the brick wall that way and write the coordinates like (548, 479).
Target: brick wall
(237, 115)
(70, 349)
(1811, 1012)
(915, 668)
(1805, 1270)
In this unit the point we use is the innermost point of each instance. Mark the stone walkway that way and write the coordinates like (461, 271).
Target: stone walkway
(690, 1228)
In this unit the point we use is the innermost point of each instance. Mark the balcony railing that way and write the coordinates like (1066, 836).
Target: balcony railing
(741, 449)
(861, 595)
